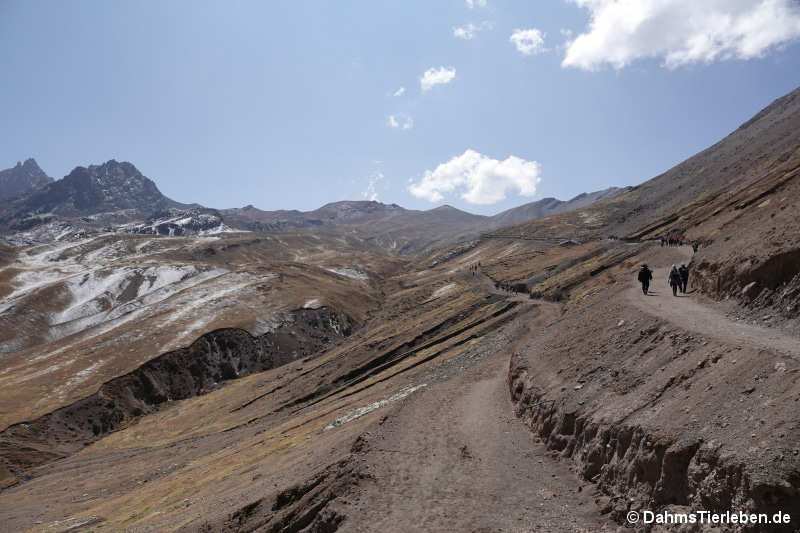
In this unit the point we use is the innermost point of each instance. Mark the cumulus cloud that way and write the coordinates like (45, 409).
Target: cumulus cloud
(400, 121)
(371, 193)
(476, 3)
(436, 76)
(469, 31)
(681, 32)
(528, 41)
(399, 92)
(480, 179)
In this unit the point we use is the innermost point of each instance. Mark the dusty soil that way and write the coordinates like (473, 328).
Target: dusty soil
(454, 458)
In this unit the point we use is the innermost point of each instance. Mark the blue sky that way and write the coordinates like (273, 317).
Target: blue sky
(287, 104)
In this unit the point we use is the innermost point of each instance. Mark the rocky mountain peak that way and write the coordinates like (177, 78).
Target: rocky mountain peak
(106, 188)
(22, 179)
(110, 186)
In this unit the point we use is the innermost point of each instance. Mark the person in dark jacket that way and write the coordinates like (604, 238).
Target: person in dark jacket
(674, 280)
(684, 272)
(645, 275)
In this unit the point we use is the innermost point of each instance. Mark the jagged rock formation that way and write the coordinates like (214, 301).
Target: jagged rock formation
(112, 186)
(22, 179)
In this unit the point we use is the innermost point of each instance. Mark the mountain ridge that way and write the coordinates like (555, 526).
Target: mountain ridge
(22, 179)
(113, 193)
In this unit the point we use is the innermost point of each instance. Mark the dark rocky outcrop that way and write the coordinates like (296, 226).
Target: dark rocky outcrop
(97, 188)
(111, 187)
(197, 369)
(22, 179)
(178, 222)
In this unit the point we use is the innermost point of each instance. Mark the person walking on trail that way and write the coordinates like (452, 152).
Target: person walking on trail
(684, 272)
(645, 275)
(674, 280)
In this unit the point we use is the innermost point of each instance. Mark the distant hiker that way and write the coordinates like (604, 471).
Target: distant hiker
(695, 246)
(684, 272)
(645, 275)
(674, 280)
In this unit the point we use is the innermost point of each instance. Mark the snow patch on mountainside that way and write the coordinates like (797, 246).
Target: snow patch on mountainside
(102, 290)
(441, 291)
(349, 273)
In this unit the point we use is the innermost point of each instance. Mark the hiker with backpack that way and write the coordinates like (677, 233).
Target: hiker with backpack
(674, 280)
(645, 275)
(684, 273)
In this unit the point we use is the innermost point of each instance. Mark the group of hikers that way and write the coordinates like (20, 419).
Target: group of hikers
(678, 278)
(474, 268)
(672, 240)
(677, 240)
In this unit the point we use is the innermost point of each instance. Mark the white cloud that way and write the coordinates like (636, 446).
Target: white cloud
(370, 193)
(681, 32)
(481, 179)
(399, 92)
(476, 3)
(400, 121)
(436, 76)
(528, 41)
(469, 31)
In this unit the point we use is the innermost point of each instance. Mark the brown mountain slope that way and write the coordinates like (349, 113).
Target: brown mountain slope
(547, 207)
(759, 154)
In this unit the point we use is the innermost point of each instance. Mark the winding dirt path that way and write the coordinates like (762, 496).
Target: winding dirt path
(687, 313)
(455, 458)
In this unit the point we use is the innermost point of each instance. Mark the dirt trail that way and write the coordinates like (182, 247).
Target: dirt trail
(455, 458)
(687, 313)
(484, 282)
